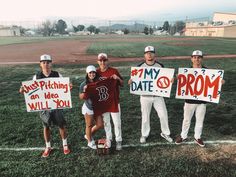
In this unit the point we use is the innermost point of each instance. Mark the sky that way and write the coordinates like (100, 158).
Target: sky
(153, 10)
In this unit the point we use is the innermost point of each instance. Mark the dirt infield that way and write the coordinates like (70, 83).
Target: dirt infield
(68, 51)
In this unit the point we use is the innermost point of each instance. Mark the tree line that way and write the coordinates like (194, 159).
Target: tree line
(49, 28)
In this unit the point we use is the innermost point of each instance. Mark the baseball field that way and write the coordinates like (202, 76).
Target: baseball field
(21, 132)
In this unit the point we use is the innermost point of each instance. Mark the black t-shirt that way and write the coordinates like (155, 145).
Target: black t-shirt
(40, 75)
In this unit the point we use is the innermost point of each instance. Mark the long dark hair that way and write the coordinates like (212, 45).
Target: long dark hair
(95, 79)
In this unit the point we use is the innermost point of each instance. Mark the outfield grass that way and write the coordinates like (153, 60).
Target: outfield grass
(166, 47)
(22, 129)
(133, 45)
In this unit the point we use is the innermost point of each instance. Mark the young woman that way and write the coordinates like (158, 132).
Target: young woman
(87, 108)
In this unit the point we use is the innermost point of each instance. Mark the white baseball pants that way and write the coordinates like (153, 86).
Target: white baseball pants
(200, 111)
(116, 118)
(159, 104)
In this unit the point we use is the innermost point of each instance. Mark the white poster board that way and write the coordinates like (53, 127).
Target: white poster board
(151, 81)
(199, 84)
(47, 94)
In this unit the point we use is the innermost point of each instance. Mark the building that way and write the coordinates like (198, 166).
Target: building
(224, 17)
(9, 31)
(222, 25)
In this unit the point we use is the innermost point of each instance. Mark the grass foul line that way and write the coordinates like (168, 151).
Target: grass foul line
(124, 146)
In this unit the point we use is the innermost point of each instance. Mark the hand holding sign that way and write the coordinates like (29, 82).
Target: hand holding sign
(199, 84)
(151, 81)
(47, 94)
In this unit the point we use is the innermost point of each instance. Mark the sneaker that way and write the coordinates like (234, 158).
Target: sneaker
(199, 142)
(143, 139)
(118, 145)
(66, 149)
(167, 137)
(179, 140)
(46, 152)
(92, 145)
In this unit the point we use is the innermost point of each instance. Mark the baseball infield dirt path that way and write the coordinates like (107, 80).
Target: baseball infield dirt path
(65, 51)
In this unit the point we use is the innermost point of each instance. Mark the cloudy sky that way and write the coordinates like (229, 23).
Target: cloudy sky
(15, 10)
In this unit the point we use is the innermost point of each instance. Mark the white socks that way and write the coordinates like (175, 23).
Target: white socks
(48, 144)
(64, 142)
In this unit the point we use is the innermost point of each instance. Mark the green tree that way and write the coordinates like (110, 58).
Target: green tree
(91, 29)
(97, 30)
(61, 26)
(172, 29)
(146, 30)
(151, 31)
(177, 27)
(166, 26)
(125, 31)
(47, 29)
(75, 28)
(81, 27)
(180, 25)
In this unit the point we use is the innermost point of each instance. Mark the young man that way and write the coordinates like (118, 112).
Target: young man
(105, 72)
(194, 106)
(50, 117)
(147, 101)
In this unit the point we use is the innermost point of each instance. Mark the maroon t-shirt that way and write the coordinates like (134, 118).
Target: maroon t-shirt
(104, 96)
(107, 74)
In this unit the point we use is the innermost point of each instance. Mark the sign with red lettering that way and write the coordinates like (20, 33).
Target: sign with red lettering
(151, 81)
(47, 94)
(199, 84)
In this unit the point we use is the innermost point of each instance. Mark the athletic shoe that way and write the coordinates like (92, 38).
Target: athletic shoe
(199, 142)
(143, 139)
(46, 152)
(92, 145)
(66, 149)
(179, 140)
(118, 145)
(167, 137)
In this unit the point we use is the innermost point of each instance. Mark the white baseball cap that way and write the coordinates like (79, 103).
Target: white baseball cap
(197, 53)
(149, 49)
(45, 57)
(102, 56)
(90, 68)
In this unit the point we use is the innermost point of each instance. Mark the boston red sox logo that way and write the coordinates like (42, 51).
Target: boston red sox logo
(163, 82)
(103, 94)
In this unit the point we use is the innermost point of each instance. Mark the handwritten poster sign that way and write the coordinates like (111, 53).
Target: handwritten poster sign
(47, 94)
(199, 84)
(151, 81)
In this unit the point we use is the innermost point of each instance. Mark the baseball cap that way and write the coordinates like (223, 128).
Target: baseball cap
(90, 68)
(45, 57)
(149, 49)
(197, 53)
(102, 56)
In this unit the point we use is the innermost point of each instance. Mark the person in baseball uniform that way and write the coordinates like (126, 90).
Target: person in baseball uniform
(51, 117)
(147, 101)
(194, 106)
(105, 71)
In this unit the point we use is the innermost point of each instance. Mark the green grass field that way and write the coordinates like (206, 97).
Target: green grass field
(166, 47)
(20, 129)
